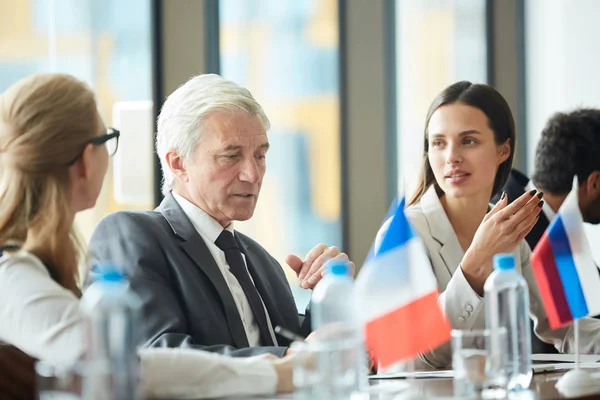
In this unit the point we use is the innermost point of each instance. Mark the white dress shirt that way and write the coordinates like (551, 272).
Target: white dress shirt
(43, 319)
(209, 230)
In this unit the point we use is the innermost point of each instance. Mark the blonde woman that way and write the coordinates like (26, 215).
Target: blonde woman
(54, 151)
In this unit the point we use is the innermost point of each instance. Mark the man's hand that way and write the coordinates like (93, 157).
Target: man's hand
(311, 336)
(311, 269)
(284, 367)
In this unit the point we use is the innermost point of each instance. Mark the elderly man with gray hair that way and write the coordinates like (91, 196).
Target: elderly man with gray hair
(203, 284)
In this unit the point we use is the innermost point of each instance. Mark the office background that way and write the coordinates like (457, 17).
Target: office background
(346, 84)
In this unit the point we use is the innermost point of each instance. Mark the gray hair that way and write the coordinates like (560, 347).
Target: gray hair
(180, 123)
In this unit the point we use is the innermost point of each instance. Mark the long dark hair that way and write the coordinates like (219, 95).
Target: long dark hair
(500, 119)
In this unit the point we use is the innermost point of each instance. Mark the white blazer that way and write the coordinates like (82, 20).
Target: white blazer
(463, 307)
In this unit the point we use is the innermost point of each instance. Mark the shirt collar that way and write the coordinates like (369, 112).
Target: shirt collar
(206, 225)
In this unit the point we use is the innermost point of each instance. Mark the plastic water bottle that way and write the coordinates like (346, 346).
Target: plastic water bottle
(333, 300)
(341, 359)
(113, 312)
(507, 305)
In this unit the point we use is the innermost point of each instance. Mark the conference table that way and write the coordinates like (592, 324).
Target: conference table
(542, 388)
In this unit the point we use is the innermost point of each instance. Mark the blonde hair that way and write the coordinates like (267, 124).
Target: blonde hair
(45, 122)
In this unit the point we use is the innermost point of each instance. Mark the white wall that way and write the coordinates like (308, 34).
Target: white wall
(562, 67)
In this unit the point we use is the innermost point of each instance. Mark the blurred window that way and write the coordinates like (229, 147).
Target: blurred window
(438, 42)
(287, 54)
(99, 42)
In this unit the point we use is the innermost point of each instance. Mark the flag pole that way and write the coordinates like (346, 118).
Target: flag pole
(412, 391)
(576, 332)
(411, 368)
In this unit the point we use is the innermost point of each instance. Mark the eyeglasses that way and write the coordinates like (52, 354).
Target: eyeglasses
(111, 145)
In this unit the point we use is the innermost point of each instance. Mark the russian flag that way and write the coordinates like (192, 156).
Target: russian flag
(399, 297)
(564, 268)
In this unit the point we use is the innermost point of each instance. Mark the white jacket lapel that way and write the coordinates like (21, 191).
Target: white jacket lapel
(441, 230)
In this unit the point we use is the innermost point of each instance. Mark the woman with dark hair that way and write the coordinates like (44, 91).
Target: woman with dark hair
(469, 146)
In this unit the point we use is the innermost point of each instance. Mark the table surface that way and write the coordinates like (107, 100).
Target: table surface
(542, 388)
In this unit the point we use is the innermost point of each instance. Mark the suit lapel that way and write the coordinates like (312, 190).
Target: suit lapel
(536, 233)
(452, 256)
(262, 283)
(196, 249)
(516, 185)
(441, 230)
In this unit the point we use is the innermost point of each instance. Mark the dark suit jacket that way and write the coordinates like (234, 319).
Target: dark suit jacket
(515, 187)
(186, 301)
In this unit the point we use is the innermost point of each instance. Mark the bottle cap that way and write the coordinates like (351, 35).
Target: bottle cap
(109, 273)
(337, 268)
(504, 261)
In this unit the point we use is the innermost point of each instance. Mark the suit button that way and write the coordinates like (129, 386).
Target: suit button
(461, 319)
(469, 307)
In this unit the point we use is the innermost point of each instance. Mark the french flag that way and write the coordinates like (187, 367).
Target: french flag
(564, 268)
(399, 297)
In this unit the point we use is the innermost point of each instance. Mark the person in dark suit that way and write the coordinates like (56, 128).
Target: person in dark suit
(569, 146)
(515, 186)
(203, 284)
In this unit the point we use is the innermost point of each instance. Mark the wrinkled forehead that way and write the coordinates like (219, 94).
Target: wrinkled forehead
(242, 142)
(237, 128)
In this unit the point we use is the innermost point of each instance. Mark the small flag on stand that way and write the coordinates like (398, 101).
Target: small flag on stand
(564, 267)
(399, 296)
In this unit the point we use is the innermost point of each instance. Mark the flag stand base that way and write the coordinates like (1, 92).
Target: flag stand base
(577, 382)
